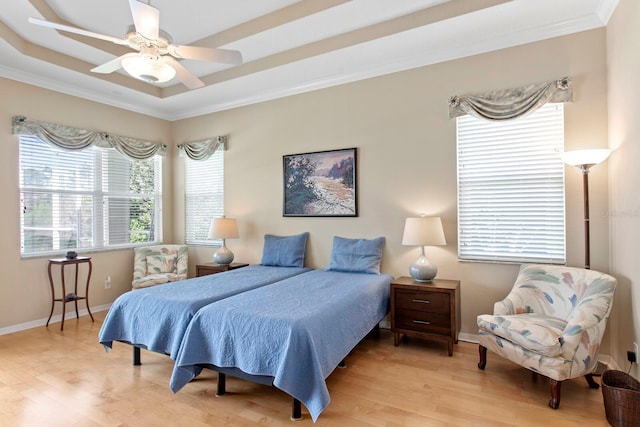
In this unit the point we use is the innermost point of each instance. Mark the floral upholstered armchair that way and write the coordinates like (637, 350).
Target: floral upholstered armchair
(154, 265)
(551, 323)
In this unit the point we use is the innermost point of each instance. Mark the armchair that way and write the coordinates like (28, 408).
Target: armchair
(154, 265)
(551, 323)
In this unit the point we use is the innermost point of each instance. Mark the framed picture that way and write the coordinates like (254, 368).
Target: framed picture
(323, 183)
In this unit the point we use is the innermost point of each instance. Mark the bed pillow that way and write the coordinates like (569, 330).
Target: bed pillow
(162, 263)
(356, 255)
(284, 251)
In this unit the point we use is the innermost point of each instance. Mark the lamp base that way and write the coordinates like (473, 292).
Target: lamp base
(223, 256)
(422, 270)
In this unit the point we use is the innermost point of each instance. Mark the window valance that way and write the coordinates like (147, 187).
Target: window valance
(511, 103)
(203, 149)
(71, 138)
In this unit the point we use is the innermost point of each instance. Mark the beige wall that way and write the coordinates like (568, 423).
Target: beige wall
(406, 158)
(406, 165)
(623, 59)
(24, 288)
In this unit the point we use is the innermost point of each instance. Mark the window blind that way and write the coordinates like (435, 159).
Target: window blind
(89, 199)
(204, 196)
(511, 205)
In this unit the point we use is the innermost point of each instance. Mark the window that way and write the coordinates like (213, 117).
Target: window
(91, 199)
(511, 188)
(204, 196)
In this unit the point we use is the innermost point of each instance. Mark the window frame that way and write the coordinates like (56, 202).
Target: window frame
(547, 243)
(101, 158)
(207, 185)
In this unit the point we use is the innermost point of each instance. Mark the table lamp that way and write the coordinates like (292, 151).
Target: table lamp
(223, 228)
(423, 231)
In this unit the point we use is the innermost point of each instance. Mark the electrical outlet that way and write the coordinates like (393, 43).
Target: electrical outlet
(107, 282)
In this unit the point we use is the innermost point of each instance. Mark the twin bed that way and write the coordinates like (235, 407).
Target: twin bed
(290, 327)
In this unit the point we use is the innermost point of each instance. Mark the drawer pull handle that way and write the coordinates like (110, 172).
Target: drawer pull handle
(421, 322)
(423, 301)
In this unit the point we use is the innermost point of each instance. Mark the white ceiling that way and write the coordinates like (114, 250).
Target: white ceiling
(288, 46)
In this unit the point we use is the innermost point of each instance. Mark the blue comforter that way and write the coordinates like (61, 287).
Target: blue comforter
(296, 331)
(156, 318)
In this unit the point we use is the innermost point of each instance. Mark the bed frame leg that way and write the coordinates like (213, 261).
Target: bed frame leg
(136, 356)
(222, 384)
(296, 410)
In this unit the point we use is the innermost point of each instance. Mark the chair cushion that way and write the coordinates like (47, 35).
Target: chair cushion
(155, 279)
(537, 333)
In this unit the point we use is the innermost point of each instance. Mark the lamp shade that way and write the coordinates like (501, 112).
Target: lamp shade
(589, 157)
(223, 228)
(423, 231)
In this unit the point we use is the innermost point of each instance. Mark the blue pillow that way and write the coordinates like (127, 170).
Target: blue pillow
(284, 251)
(356, 255)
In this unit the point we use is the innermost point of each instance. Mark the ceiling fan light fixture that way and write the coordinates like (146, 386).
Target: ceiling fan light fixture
(151, 70)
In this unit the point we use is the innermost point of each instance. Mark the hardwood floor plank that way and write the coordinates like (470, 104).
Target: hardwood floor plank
(54, 378)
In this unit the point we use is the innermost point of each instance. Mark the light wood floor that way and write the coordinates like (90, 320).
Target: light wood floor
(54, 378)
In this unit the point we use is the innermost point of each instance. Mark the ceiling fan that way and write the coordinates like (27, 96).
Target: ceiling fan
(154, 61)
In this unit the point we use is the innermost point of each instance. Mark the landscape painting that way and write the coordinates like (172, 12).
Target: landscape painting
(322, 183)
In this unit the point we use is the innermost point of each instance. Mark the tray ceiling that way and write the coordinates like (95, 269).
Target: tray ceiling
(288, 46)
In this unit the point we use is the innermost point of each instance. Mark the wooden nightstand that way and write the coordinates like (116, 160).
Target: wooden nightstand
(426, 310)
(213, 268)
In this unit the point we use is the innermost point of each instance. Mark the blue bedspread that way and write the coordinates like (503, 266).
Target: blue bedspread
(296, 331)
(156, 318)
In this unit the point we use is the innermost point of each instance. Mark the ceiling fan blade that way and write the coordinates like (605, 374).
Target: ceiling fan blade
(146, 19)
(113, 65)
(77, 31)
(225, 56)
(185, 76)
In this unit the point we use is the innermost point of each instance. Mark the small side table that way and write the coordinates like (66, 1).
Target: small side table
(426, 310)
(213, 268)
(62, 262)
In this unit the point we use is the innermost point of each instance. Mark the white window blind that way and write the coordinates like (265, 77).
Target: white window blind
(511, 205)
(89, 199)
(204, 196)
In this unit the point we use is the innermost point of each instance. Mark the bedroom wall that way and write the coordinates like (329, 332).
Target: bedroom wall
(623, 61)
(406, 158)
(25, 298)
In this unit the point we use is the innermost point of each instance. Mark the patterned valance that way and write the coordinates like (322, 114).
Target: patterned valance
(511, 103)
(203, 149)
(71, 138)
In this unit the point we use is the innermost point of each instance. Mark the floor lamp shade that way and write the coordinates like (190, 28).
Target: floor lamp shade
(585, 159)
(223, 228)
(423, 231)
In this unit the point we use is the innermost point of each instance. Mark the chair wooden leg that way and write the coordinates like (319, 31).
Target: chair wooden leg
(483, 356)
(592, 383)
(554, 402)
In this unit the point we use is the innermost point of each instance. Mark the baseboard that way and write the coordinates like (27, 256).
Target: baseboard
(54, 319)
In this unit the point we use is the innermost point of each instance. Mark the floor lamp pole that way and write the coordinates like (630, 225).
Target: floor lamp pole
(584, 159)
(585, 187)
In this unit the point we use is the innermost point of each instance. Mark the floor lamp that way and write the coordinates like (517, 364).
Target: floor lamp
(585, 159)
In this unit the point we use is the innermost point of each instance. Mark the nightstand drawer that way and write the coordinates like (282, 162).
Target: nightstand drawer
(421, 321)
(433, 302)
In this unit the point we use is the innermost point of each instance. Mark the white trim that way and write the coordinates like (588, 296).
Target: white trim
(53, 322)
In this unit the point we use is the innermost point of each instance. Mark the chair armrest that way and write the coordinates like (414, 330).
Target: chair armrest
(503, 308)
(585, 326)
